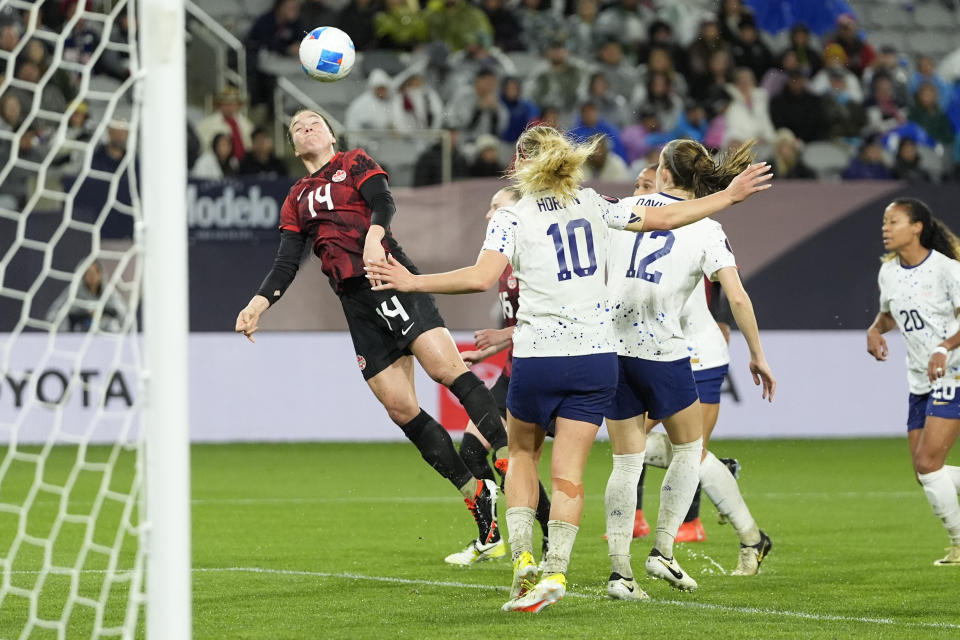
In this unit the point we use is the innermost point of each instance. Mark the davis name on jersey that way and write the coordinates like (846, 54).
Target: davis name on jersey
(923, 300)
(652, 274)
(556, 252)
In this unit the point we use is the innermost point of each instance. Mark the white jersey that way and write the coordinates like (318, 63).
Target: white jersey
(652, 274)
(923, 301)
(557, 254)
(705, 342)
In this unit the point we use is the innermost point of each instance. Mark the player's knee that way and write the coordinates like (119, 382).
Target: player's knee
(926, 463)
(447, 374)
(400, 409)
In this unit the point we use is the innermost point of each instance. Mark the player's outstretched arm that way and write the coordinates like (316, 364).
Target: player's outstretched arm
(742, 309)
(876, 344)
(249, 316)
(473, 279)
(751, 180)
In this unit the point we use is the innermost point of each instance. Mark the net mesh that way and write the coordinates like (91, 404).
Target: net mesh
(71, 475)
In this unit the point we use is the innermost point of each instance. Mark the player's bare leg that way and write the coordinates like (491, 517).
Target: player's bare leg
(628, 440)
(935, 441)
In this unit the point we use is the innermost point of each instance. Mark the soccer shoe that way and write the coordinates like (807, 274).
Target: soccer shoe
(734, 466)
(952, 559)
(500, 465)
(659, 566)
(550, 590)
(691, 532)
(524, 575)
(640, 527)
(751, 556)
(620, 588)
(484, 510)
(476, 552)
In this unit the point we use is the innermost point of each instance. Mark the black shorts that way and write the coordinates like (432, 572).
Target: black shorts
(384, 323)
(499, 391)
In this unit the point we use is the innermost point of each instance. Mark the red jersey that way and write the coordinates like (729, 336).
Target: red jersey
(509, 302)
(328, 207)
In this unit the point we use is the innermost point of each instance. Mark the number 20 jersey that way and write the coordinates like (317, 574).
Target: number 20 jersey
(557, 253)
(652, 274)
(923, 300)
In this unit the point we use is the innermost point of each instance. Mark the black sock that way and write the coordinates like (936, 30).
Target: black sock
(643, 475)
(694, 511)
(475, 457)
(436, 447)
(543, 509)
(481, 407)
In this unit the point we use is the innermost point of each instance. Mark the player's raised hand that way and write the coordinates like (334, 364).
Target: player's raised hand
(751, 180)
(762, 374)
(877, 345)
(391, 275)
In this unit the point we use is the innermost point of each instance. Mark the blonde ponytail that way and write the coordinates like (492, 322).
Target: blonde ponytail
(549, 161)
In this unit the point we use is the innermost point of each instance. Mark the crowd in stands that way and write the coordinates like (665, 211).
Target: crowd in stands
(636, 72)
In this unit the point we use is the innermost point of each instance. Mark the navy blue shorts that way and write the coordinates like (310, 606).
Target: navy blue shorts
(709, 382)
(659, 389)
(573, 387)
(943, 402)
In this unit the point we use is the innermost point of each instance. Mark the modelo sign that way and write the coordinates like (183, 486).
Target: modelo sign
(234, 210)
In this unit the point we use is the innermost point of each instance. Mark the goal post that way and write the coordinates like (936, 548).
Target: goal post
(165, 318)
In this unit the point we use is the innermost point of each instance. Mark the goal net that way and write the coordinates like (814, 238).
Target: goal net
(74, 520)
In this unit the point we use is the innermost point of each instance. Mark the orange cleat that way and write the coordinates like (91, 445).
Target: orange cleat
(691, 532)
(640, 527)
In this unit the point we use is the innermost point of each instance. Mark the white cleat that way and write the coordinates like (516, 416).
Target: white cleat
(952, 559)
(476, 552)
(748, 564)
(663, 568)
(620, 588)
(550, 590)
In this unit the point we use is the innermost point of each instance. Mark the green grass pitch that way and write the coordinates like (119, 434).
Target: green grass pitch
(348, 541)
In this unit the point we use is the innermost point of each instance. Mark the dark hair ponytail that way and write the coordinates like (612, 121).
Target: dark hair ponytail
(935, 234)
(693, 168)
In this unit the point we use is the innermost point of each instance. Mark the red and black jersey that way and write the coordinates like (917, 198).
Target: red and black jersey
(328, 207)
(510, 303)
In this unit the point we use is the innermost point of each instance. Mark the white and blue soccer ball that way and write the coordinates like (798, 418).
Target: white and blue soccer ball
(327, 54)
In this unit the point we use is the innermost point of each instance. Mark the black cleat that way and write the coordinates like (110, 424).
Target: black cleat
(483, 506)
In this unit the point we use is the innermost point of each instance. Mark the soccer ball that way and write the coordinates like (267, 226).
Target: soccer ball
(327, 54)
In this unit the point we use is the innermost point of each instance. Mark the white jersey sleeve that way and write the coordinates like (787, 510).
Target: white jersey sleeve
(615, 213)
(502, 233)
(952, 282)
(717, 253)
(884, 292)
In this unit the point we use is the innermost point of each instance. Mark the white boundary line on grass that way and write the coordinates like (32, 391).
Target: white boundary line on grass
(693, 605)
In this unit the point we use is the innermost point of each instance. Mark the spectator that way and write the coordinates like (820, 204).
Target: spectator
(456, 22)
(926, 73)
(522, 111)
(557, 79)
(372, 108)
(589, 125)
(624, 21)
(644, 136)
(401, 25)
(660, 96)
(228, 119)
(888, 63)
(580, 29)
(279, 31)
(486, 163)
(13, 190)
(315, 13)
(538, 24)
(36, 52)
(713, 85)
(707, 43)
(603, 165)
(549, 117)
(660, 36)
(750, 51)
(78, 130)
(115, 63)
(927, 113)
(620, 74)
(356, 18)
(869, 163)
(262, 161)
(786, 161)
(799, 110)
(775, 79)
(883, 112)
(217, 162)
(51, 99)
(83, 309)
(477, 55)
(845, 116)
(478, 109)
(906, 166)
(748, 115)
(835, 60)
(83, 39)
(808, 58)
(860, 54)
(731, 15)
(429, 166)
(507, 32)
(108, 156)
(415, 105)
(692, 124)
(612, 107)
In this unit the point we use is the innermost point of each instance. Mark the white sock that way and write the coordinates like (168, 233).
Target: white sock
(942, 495)
(621, 503)
(676, 493)
(954, 475)
(520, 525)
(722, 489)
(562, 536)
(659, 450)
